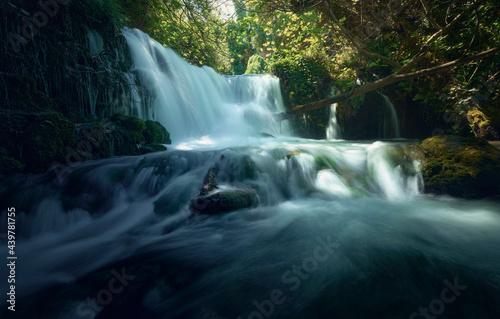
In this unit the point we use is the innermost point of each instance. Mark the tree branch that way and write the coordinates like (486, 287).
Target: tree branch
(425, 48)
(372, 86)
(428, 13)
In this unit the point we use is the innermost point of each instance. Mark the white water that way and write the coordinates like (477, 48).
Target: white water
(193, 102)
(333, 129)
(393, 246)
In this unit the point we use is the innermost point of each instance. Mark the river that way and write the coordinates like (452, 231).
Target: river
(342, 229)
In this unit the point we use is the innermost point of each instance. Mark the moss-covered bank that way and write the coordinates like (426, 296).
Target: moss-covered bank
(460, 166)
(33, 142)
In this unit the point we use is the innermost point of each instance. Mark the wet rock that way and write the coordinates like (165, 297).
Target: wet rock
(213, 200)
(481, 125)
(224, 201)
(460, 166)
(209, 183)
(151, 148)
(31, 141)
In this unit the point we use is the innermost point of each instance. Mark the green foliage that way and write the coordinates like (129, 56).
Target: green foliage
(9, 164)
(256, 65)
(190, 27)
(304, 79)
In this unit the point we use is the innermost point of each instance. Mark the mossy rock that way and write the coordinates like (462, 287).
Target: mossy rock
(8, 164)
(224, 201)
(481, 125)
(151, 148)
(132, 125)
(34, 140)
(460, 166)
(154, 132)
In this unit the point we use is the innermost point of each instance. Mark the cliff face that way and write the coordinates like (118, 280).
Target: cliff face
(63, 63)
(64, 56)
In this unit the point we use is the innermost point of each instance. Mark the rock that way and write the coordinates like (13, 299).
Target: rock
(481, 125)
(224, 201)
(212, 200)
(155, 133)
(209, 183)
(460, 166)
(120, 135)
(31, 141)
(151, 148)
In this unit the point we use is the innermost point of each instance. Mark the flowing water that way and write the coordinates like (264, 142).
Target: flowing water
(342, 229)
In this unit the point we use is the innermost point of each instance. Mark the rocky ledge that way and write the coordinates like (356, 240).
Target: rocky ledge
(460, 166)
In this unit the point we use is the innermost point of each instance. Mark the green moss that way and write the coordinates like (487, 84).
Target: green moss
(8, 164)
(154, 132)
(460, 166)
(133, 125)
(35, 140)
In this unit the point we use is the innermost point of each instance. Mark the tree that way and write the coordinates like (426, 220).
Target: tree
(402, 40)
(193, 28)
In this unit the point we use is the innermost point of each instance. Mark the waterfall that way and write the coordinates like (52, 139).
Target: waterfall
(339, 229)
(391, 124)
(333, 129)
(96, 46)
(193, 102)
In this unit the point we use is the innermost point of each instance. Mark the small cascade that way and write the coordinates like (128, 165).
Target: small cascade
(96, 46)
(344, 221)
(333, 129)
(390, 124)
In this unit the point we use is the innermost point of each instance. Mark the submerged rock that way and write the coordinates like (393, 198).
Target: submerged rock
(460, 166)
(224, 201)
(213, 200)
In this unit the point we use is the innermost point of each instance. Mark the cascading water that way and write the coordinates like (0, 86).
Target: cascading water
(391, 124)
(193, 102)
(341, 229)
(333, 130)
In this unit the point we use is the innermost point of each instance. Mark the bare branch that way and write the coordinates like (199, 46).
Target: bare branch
(428, 13)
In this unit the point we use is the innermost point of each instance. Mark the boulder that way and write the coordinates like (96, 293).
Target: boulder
(460, 166)
(224, 201)
(481, 125)
(213, 200)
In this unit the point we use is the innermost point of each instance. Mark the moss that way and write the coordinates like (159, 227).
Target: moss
(150, 148)
(481, 125)
(8, 164)
(133, 125)
(35, 140)
(154, 132)
(460, 166)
